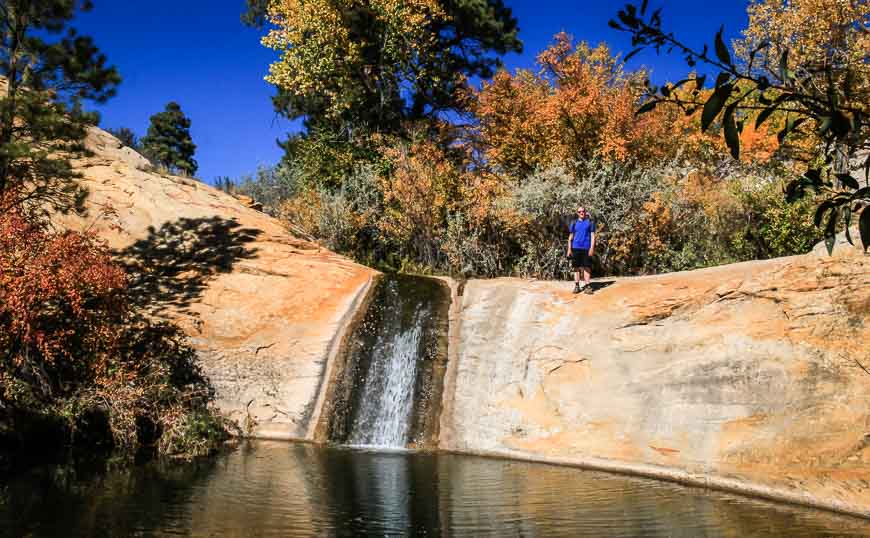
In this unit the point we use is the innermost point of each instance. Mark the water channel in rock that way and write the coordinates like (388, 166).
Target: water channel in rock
(388, 390)
(266, 489)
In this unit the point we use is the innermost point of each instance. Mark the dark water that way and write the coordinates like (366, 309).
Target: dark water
(275, 489)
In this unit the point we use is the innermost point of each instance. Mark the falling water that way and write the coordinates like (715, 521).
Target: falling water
(384, 415)
(389, 391)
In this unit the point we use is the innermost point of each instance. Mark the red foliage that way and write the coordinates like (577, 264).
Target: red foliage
(59, 296)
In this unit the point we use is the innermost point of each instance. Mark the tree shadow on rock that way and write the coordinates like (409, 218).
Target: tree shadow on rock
(172, 266)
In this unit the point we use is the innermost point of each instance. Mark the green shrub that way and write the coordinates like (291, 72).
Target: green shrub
(271, 185)
(773, 227)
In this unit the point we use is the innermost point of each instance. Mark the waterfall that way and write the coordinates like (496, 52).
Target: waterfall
(389, 392)
(384, 415)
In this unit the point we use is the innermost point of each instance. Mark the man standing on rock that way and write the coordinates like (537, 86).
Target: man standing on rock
(581, 247)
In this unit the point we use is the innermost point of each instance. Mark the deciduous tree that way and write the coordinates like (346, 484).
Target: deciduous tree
(578, 106)
(806, 60)
(351, 68)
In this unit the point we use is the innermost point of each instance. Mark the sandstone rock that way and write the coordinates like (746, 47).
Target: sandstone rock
(248, 202)
(747, 376)
(263, 308)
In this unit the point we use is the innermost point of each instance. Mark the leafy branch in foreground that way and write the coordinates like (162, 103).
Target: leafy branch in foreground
(820, 92)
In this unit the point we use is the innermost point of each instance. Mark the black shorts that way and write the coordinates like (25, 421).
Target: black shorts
(580, 258)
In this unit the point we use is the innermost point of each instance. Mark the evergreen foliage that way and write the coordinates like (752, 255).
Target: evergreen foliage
(255, 14)
(48, 71)
(126, 136)
(168, 142)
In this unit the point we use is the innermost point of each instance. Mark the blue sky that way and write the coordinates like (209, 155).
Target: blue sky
(198, 53)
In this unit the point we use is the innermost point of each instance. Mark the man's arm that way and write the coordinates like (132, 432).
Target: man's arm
(570, 239)
(592, 244)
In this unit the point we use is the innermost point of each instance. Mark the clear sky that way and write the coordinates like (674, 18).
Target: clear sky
(198, 53)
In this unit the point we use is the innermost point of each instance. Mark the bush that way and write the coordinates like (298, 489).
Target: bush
(271, 185)
(469, 253)
(772, 226)
(613, 193)
(701, 219)
(76, 363)
(426, 213)
(419, 192)
(192, 434)
(344, 219)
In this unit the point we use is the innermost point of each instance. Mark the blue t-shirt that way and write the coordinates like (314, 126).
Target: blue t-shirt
(582, 230)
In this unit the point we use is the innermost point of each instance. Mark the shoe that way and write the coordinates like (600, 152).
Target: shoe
(577, 288)
(587, 290)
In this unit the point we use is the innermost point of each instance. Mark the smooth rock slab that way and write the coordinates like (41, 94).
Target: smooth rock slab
(264, 309)
(742, 376)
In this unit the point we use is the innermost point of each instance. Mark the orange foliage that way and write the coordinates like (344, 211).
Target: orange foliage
(648, 237)
(303, 212)
(58, 294)
(418, 195)
(70, 345)
(579, 105)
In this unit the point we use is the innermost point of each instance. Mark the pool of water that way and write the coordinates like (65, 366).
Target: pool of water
(277, 489)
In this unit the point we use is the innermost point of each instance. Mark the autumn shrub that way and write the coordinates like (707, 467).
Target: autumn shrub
(772, 226)
(74, 357)
(428, 214)
(471, 251)
(419, 190)
(343, 219)
(703, 218)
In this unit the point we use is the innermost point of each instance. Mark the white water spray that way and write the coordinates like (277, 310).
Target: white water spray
(387, 400)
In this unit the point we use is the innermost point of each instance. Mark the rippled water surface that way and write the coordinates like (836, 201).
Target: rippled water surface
(275, 489)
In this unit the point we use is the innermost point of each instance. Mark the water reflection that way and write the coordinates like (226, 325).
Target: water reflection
(274, 489)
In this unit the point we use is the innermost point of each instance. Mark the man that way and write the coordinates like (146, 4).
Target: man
(581, 247)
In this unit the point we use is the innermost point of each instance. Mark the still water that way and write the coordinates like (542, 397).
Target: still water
(276, 489)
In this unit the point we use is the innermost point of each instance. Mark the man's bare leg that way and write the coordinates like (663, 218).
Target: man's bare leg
(587, 276)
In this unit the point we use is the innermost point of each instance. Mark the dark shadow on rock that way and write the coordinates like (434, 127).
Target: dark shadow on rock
(600, 285)
(171, 267)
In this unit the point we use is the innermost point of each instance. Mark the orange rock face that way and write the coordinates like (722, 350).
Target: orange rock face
(744, 376)
(262, 307)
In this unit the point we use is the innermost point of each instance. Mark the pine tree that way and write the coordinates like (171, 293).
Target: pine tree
(125, 136)
(168, 142)
(47, 71)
